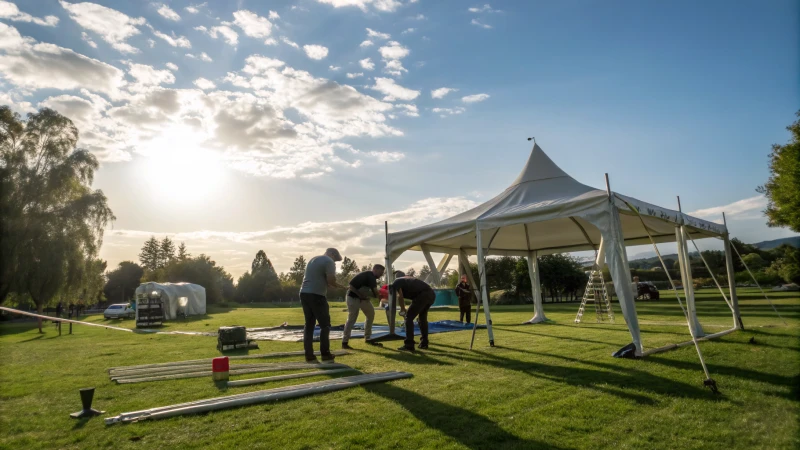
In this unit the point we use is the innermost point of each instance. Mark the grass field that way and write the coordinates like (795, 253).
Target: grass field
(552, 385)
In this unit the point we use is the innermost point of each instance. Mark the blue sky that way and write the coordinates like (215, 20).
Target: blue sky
(289, 126)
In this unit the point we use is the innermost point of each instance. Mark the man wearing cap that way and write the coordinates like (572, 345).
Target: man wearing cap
(320, 273)
(362, 287)
(422, 298)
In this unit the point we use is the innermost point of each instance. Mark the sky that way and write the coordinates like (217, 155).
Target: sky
(292, 126)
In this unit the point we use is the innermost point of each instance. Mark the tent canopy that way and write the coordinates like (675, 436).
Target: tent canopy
(171, 294)
(546, 210)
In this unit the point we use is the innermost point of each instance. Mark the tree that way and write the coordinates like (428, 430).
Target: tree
(297, 271)
(122, 282)
(783, 187)
(261, 283)
(166, 251)
(261, 262)
(204, 271)
(754, 261)
(183, 255)
(424, 272)
(411, 272)
(150, 256)
(53, 221)
(348, 268)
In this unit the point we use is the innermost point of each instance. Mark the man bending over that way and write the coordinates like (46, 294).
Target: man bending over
(422, 298)
(362, 288)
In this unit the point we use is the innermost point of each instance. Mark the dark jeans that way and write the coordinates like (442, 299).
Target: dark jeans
(419, 308)
(465, 309)
(315, 309)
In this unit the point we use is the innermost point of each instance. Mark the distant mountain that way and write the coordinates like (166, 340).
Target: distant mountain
(794, 241)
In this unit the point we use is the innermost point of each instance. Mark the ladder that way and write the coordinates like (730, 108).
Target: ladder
(596, 293)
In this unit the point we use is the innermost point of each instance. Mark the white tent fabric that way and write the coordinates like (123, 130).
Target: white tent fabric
(546, 211)
(171, 294)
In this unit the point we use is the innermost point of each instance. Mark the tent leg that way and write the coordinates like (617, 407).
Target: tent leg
(484, 291)
(433, 277)
(737, 317)
(687, 281)
(463, 261)
(536, 288)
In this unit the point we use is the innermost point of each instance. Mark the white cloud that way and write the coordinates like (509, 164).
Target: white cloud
(151, 43)
(10, 11)
(289, 42)
(441, 92)
(113, 26)
(334, 68)
(168, 13)
(175, 41)
(409, 109)
(380, 5)
(377, 34)
(419, 17)
(393, 91)
(474, 98)
(478, 23)
(394, 67)
(204, 84)
(202, 57)
(270, 41)
(367, 64)
(394, 51)
(748, 208)
(355, 75)
(85, 37)
(252, 24)
(359, 238)
(487, 8)
(316, 51)
(409, 30)
(366, 43)
(225, 32)
(444, 112)
(150, 76)
(171, 66)
(273, 15)
(194, 9)
(30, 65)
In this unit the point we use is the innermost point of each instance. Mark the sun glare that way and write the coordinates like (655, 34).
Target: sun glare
(180, 169)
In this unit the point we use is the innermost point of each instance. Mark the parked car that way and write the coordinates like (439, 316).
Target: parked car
(119, 311)
(647, 291)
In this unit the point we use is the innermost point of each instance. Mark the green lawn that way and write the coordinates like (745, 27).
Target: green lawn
(552, 385)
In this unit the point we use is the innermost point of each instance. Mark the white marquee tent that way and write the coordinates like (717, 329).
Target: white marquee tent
(546, 211)
(171, 293)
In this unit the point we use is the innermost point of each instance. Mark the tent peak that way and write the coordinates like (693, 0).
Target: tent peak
(539, 167)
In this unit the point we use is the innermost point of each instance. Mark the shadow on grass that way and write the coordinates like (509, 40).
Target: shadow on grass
(614, 380)
(468, 428)
(738, 372)
(411, 358)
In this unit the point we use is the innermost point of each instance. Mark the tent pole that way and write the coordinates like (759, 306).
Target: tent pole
(389, 279)
(433, 277)
(758, 285)
(536, 288)
(463, 261)
(484, 290)
(737, 317)
(688, 281)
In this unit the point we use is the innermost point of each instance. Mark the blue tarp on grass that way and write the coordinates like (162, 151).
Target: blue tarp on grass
(294, 333)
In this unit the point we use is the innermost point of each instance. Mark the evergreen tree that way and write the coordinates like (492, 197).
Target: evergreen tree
(166, 252)
(183, 255)
(150, 256)
(783, 187)
(297, 271)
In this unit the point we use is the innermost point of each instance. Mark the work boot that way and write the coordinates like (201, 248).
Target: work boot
(328, 358)
(376, 344)
(312, 360)
(423, 345)
(346, 346)
(407, 349)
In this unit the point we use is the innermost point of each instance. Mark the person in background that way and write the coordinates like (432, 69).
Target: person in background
(59, 309)
(358, 298)
(320, 273)
(422, 298)
(464, 293)
(635, 287)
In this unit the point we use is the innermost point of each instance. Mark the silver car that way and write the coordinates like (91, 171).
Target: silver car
(119, 311)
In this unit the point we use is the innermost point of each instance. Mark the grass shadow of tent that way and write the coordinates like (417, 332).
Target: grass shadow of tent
(600, 380)
(470, 429)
